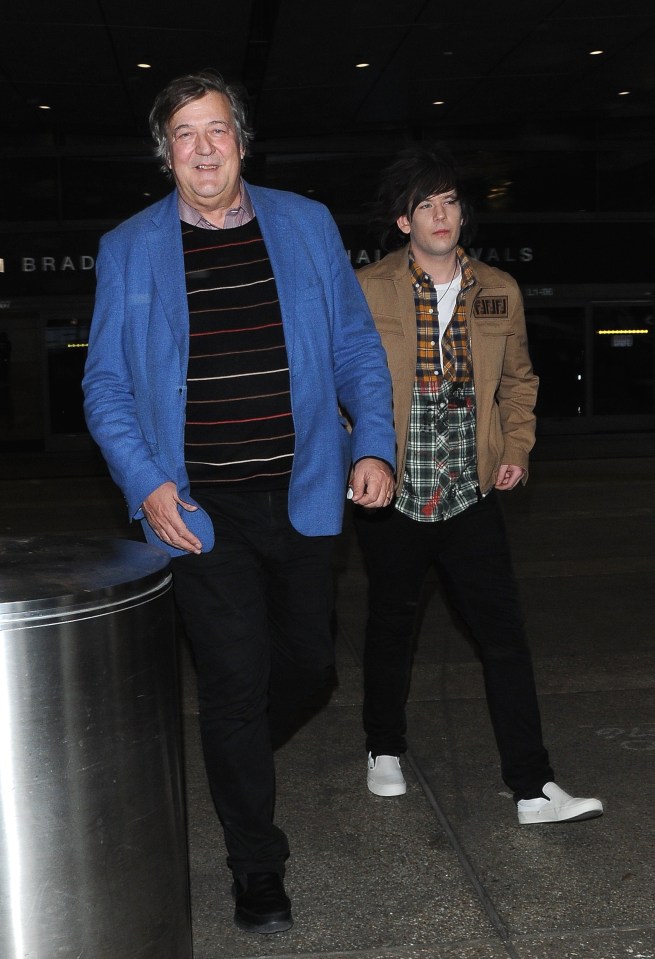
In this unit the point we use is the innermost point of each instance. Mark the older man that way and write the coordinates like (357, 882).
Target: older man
(229, 337)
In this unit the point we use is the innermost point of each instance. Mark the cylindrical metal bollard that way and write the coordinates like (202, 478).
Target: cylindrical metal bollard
(93, 856)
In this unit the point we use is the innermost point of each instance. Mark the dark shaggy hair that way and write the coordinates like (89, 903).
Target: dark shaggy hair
(184, 90)
(415, 174)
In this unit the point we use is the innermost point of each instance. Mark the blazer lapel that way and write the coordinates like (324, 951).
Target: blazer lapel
(164, 242)
(279, 239)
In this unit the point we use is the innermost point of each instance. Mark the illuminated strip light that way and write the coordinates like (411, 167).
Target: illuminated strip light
(618, 332)
(76, 346)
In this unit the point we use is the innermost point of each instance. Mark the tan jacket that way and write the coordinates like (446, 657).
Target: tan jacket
(505, 384)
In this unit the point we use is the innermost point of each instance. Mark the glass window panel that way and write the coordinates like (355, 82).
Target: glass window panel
(624, 359)
(556, 336)
(66, 349)
(21, 370)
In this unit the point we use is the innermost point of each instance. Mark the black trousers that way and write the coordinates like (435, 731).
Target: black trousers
(472, 555)
(256, 610)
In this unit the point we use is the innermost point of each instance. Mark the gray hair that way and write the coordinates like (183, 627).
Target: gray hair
(184, 90)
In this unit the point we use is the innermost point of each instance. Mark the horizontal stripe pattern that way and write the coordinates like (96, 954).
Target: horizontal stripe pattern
(239, 427)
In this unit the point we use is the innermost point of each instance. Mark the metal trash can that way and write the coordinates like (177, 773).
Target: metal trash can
(93, 853)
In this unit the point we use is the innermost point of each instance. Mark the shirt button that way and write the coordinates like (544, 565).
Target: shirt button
(430, 310)
(432, 343)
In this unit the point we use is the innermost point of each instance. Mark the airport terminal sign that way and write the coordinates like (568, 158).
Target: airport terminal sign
(536, 254)
(47, 263)
(540, 255)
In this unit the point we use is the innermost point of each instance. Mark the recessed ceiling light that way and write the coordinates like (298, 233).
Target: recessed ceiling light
(360, 66)
(595, 53)
(44, 106)
(144, 66)
(438, 103)
(624, 93)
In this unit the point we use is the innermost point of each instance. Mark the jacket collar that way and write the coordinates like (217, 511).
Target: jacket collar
(394, 267)
(164, 241)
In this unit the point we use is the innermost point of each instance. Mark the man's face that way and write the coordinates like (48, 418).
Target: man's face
(205, 153)
(435, 225)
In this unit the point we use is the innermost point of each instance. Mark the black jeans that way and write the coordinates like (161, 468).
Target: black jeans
(256, 610)
(472, 555)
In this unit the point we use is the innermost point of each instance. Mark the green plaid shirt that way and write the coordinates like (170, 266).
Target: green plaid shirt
(441, 477)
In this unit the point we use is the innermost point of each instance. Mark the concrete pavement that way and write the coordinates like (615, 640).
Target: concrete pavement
(446, 872)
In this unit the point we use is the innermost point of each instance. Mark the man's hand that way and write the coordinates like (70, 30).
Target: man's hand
(508, 477)
(160, 509)
(371, 482)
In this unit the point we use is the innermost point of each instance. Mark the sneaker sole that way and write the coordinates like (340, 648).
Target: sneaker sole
(525, 819)
(387, 791)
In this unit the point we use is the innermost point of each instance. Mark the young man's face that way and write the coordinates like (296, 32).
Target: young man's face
(435, 225)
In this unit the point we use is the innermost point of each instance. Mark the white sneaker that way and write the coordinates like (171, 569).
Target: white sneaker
(385, 777)
(557, 807)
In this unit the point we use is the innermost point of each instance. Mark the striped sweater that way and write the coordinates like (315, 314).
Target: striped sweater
(239, 427)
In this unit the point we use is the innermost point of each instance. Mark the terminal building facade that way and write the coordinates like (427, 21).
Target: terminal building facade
(587, 273)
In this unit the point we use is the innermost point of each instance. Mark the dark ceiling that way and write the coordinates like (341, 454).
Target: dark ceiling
(515, 76)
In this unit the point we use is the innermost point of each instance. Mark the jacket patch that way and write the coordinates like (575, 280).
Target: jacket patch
(490, 306)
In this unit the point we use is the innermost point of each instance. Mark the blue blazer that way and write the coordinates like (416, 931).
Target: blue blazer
(135, 377)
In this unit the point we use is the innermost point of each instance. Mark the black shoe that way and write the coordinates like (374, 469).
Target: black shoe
(262, 905)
